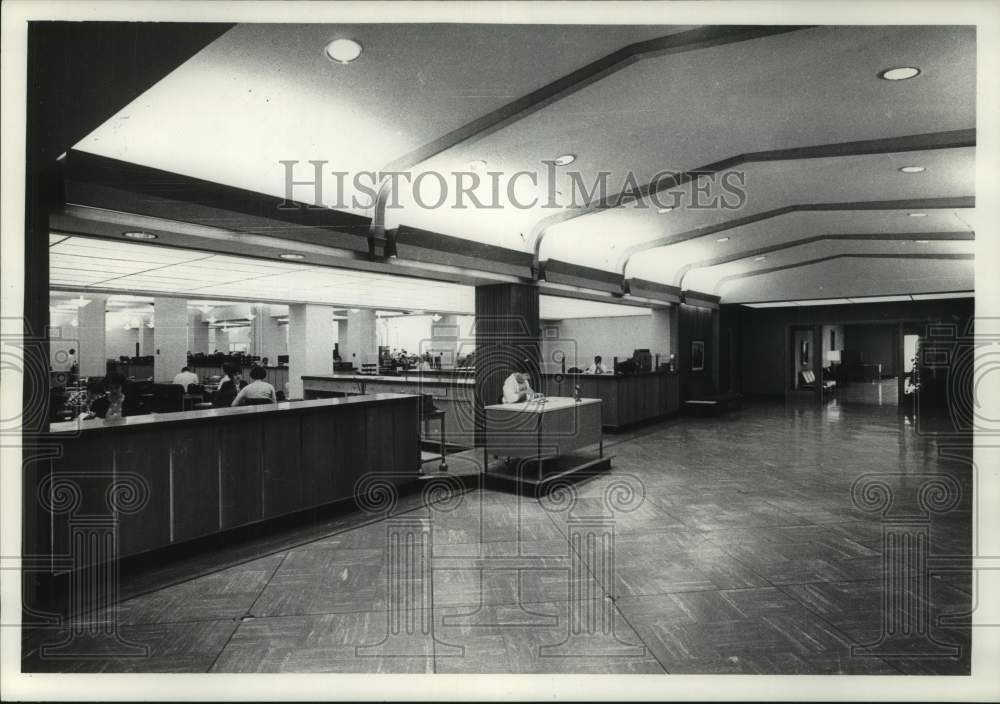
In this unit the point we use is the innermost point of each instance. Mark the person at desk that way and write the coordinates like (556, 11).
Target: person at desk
(110, 401)
(597, 367)
(185, 378)
(229, 385)
(257, 391)
(517, 388)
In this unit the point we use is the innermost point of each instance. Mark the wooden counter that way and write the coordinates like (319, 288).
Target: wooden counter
(453, 393)
(628, 399)
(202, 472)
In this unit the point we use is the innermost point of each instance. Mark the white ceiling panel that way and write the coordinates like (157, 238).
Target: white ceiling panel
(706, 279)
(600, 240)
(840, 278)
(263, 93)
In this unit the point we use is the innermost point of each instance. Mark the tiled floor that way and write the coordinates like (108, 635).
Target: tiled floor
(729, 545)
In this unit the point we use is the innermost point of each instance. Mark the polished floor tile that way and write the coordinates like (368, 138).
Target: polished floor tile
(727, 545)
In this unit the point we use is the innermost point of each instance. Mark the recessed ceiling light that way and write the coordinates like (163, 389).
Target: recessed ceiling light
(664, 210)
(900, 73)
(917, 215)
(912, 169)
(564, 159)
(291, 256)
(343, 51)
(922, 241)
(140, 235)
(722, 239)
(759, 259)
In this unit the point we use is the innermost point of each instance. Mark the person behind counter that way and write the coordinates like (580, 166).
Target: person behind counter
(185, 378)
(108, 399)
(229, 385)
(517, 388)
(257, 391)
(597, 367)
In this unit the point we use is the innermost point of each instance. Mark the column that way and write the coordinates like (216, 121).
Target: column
(92, 333)
(362, 339)
(507, 327)
(197, 332)
(170, 338)
(662, 333)
(145, 339)
(310, 344)
(444, 339)
(271, 336)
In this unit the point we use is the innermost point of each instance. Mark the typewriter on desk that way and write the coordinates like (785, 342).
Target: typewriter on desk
(369, 369)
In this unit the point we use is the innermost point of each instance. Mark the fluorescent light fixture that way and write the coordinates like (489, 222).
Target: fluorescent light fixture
(138, 235)
(771, 304)
(899, 73)
(937, 296)
(564, 159)
(722, 239)
(354, 310)
(291, 256)
(922, 241)
(760, 258)
(343, 51)
(880, 299)
(912, 169)
(664, 210)
(824, 302)
(917, 215)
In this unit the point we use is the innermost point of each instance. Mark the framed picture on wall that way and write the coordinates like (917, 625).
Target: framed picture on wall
(804, 353)
(697, 355)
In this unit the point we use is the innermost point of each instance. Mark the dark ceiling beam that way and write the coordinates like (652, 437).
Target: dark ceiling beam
(873, 237)
(911, 143)
(810, 262)
(905, 204)
(692, 40)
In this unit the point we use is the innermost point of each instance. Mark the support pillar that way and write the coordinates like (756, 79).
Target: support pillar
(507, 328)
(362, 339)
(310, 344)
(662, 322)
(146, 341)
(92, 332)
(445, 334)
(170, 338)
(271, 337)
(197, 332)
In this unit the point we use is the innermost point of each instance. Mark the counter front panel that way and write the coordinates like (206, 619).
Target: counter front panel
(188, 475)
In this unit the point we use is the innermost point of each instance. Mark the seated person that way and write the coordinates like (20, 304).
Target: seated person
(597, 367)
(186, 378)
(229, 385)
(256, 391)
(517, 388)
(110, 401)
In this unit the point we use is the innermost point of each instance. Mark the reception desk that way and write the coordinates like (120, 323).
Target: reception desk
(166, 479)
(627, 399)
(556, 437)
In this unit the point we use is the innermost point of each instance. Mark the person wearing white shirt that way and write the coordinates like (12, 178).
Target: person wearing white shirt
(597, 367)
(257, 391)
(186, 378)
(517, 388)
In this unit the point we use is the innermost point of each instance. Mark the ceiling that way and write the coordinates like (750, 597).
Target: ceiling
(78, 265)
(427, 97)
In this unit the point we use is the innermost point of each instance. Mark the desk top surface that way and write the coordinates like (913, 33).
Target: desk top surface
(551, 403)
(76, 426)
